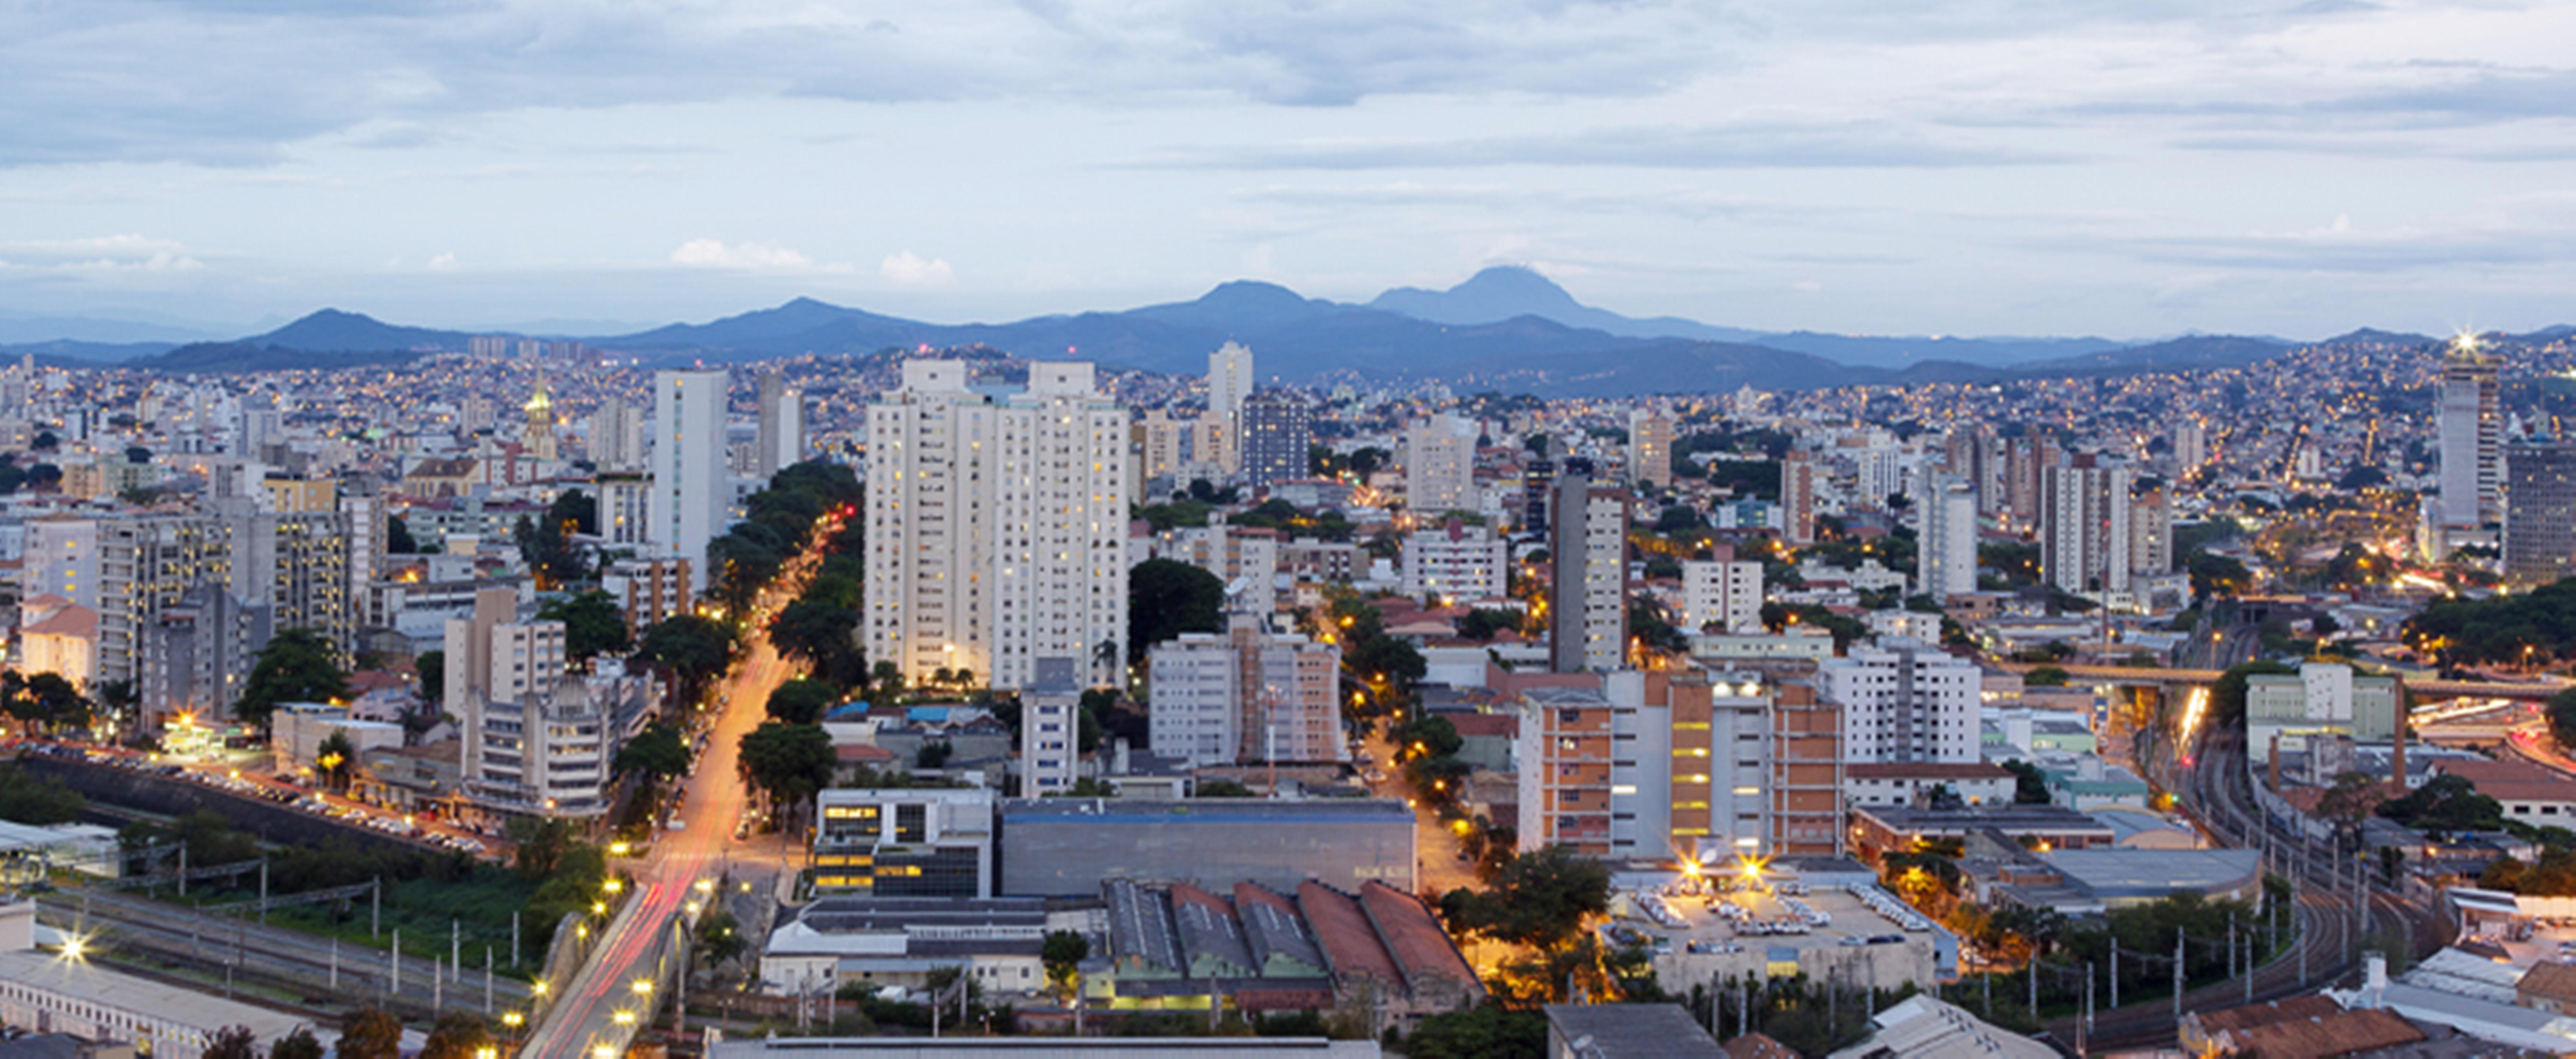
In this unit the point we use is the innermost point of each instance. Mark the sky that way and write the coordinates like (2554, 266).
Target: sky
(2124, 168)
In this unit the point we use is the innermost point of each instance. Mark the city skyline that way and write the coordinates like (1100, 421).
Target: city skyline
(2020, 171)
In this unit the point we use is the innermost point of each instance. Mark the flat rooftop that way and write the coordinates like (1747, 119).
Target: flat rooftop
(2004, 817)
(1215, 810)
(2113, 873)
(93, 984)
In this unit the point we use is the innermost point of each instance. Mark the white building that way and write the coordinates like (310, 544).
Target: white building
(1650, 447)
(1457, 562)
(1946, 551)
(1904, 700)
(1229, 383)
(1050, 728)
(2084, 538)
(617, 436)
(61, 559)
(62, 993)
(904, 842)
(625, 510)
(1440, 464)
(1589, 597)
(2472, 437)
(781, 438)
(1722, 591)
(1245, 695)
(689, 489)
(997, 523)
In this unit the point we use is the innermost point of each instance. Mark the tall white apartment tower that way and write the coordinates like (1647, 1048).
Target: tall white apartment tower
(782, 424)
(617, 437)
(2472, 436)
(1650, 448)
(1904, 700)
(1588, 630)
(1946, 561)
(1229, 384)
(1722, 591)
(2084, 538)
(1440, 465)
(997, 525)
(689, 495)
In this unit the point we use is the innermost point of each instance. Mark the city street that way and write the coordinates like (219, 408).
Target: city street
(602, 1002)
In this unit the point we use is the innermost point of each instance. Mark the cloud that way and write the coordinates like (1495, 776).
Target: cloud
(109, 253)
(749, 257)
(1867, 145)
(444, 262)
(908, 269)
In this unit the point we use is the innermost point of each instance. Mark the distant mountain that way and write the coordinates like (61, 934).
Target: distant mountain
(2375, 336)
(1900, 351)
(78, 354)
(230, 357)
(2546, 335)
(1665, 366)
(1505, 291)
(2189, 352)
(24, 330)
(332, 330)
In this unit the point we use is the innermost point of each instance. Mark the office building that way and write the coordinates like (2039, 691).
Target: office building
(2540, 511)
(1050, 721)
(1945, 554)
(1650, 448)
(1229, 383)
(689, 496)
(996, 523)
(1456, 562)
(1722, 592)
(1538, 488)
(1440, 465)
(1245, 695)
(906, 842)
(1588, 601)
(781, 438)
(2471, 434)
(1276, 429)
(1904, 700)
(2084, 538)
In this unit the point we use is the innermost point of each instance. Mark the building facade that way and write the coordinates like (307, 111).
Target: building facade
(689, 498)
(1904, 701)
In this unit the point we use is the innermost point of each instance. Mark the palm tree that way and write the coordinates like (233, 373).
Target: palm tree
(335, 759)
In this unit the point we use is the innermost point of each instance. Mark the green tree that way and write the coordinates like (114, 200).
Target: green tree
(822, 634)
(720, 937)
(370, 1033)
(398, 539)
(1490, 1031)
(2561, 711)
(25, 799)
(593, 624)
(44, 700)
(233, 1042)
(2045, 677)
(457, 1035)
(1222, 788)
(657, 753)
(2214, 575)
(542, 845)
(802, 701)
(688, 650)
(301, 1044)
(1062, 954)
(432, 667)
(1541, 900)
(549, 551)
(787, 763)
(1166, 599)
(2030, 785)
(336, 759)
(298, 665)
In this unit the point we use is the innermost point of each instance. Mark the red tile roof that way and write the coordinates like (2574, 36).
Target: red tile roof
(1491, 725)
(1349, 943)
(848, 752)
(2342, 1033)
(1415, 939)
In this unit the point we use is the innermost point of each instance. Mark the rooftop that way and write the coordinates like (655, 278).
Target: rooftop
(1621, 1031)
(2157, 872)
(93, 984)
(1213, 810)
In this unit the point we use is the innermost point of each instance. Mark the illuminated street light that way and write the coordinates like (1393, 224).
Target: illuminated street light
(643, 987)
(624, 1018)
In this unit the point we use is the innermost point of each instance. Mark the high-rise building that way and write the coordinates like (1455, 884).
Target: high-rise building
(1276, 430)
(1650, 447)
(689, 495)
(369, 526)
(1806, 785)
(1904, 700)
(1798, 497)
(61, 559)
(2151, 533)
(2540, 512)
(1457, 562)
(2472, 436)
(617, 437)
(1588, 604)
(781, 438)
(1538, 486)
(625, 508)
(1440, 464)
(1230, 382)
(1050, 722)
(1245, 695)
(1650, 765)
(1159, 438)
(2190, 446)
(149, 565)
(1722, 591)
(2084, 538)
(1946, 549)
(997, 524)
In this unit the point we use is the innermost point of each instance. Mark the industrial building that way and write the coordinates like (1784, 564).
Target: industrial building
(1068, 847)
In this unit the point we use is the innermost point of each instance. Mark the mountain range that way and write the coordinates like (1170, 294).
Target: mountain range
(1504, 328)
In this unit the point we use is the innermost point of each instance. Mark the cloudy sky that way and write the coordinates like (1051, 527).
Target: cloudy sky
(2114, 167)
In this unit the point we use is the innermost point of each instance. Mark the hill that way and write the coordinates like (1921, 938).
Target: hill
(232, 357)
(332, 330)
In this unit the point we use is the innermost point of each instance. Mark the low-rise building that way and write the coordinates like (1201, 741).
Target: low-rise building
(1913, 783)
(904, 842)
(901, 941)
(1067, 847)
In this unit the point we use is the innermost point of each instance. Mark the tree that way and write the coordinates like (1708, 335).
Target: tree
(1483, 624)
(45, 701)
(2215, 575)
(2030, 785)
(549, 551)
(688, 650)
(787, 763)
(1541, 899)
(457, 1035)
(542, 845)
(2561, 711)
(802, 701)
(822, 634)
(657, 753)
(300, 1044)
(45, 441)
(233, 1042)
(593, 624)
(2044, 677)
(432, 667)
(298, 665)
(1490, 1031)
(1062, 954)
(1223, 788)
(1166, 599)
(398, 538)
(720, 936)
(933, 755)
(336, 759)
(370, 1033)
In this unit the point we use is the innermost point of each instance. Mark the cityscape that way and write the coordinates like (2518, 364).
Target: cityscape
(1585, 532)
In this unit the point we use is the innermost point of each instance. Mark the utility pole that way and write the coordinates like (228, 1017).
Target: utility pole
(514, 937)
(455, 951)
(394, 960)
(2179, 977)
(2115, 972)
(375, 910)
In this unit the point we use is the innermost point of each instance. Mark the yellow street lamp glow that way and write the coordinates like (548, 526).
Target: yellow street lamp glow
(599, 908)
(512, 1019)
(617, 849)
(613, 885)
(625, 1018)
(603, 1052)
(706, 885)
(539, 987)
(643, 986)
(75, 947)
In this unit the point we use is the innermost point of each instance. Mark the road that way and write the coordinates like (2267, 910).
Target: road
(684, 864)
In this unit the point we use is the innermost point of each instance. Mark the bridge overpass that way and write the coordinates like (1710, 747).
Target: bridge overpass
(2424, 689)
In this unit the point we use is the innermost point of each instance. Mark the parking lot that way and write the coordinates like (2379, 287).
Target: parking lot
(251, 785)
(1702, 933)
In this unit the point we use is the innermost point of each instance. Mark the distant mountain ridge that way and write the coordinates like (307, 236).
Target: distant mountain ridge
(1504, 327)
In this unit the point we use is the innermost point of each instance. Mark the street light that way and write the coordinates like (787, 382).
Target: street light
(643, 987)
